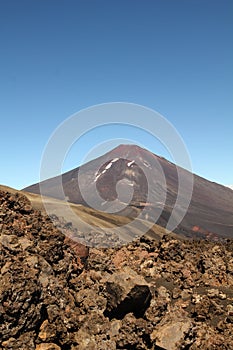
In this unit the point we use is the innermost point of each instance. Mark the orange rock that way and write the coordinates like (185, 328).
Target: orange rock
(80, 249)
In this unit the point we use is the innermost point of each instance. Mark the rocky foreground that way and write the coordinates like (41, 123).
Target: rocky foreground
(56, 294)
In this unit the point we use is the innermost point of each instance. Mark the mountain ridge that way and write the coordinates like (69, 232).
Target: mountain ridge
(211, 206)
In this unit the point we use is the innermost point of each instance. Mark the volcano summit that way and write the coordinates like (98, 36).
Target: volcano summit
(129, 178)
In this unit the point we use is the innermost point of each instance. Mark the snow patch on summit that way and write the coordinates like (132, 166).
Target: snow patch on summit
(98, 175)
(108, 166)
(131, 163)
(146, 164)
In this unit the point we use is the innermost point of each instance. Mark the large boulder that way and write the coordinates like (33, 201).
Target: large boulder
(127, 292)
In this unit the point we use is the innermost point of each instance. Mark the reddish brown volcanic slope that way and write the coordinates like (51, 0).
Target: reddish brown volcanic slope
(129, 169)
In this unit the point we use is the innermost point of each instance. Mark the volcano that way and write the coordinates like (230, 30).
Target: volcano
(130, 180)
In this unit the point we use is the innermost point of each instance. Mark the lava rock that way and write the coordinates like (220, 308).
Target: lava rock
(126, 292)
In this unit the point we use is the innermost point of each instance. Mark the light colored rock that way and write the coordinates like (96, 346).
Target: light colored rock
(163, 293)
(85, 340)
(222, 295)
(171, 331)
(213, 293)
(47, 346)
(230, 309)
(10, 242)
(115, 327)
(46, 331)
(148, 264)
(25, 243)
(196, 298)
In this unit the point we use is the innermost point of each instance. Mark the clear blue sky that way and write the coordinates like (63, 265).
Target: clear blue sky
(58, 57)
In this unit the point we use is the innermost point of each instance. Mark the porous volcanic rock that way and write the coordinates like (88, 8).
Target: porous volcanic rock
(57, 294)
(127, 292)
